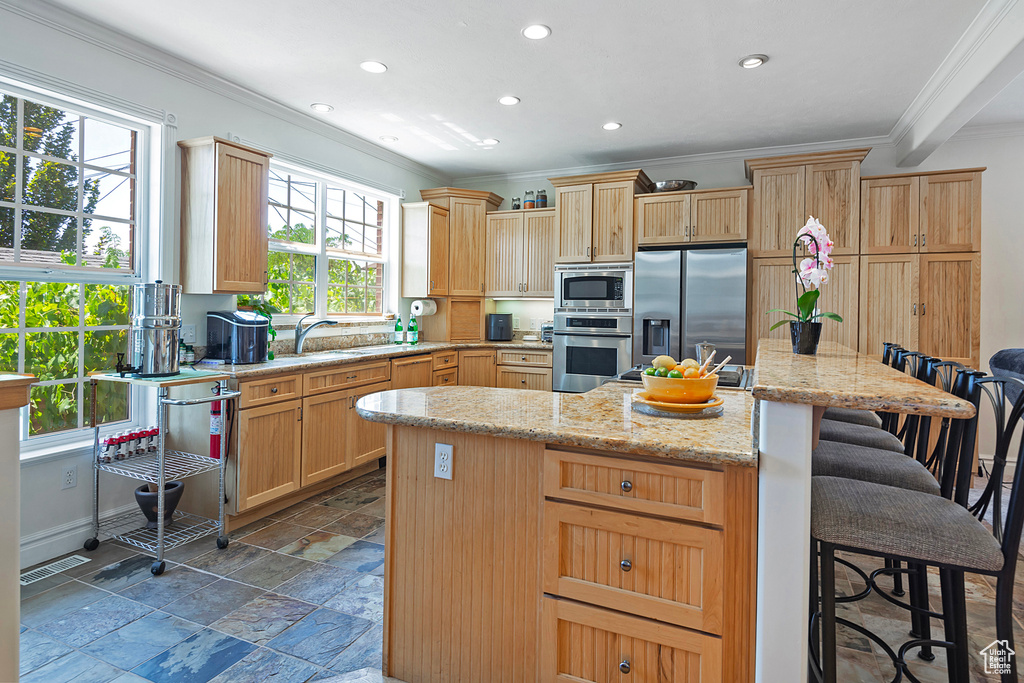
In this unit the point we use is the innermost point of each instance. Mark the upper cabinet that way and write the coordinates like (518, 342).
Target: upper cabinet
(789, 189)
(467, 244)
(224, 189)
(933, 212)
(595, 216)
(520, 253)
(424, 250)
(681, 217)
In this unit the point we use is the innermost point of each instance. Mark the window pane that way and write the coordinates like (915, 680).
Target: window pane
(107, 244)
(336, 271)
(7, 170)
(52, 184)
(302, 299)
(111, 403)
(52, 355)
(278, 296)
(354, 204)
(102, 347)
(336, 234)
(107, 304)
(108, 145)
(48, 238)
(353, 236)
(335, 299)
(6, 234)
(112, 193)
(335, 202)
(375, 301)
(51, 304)
(303, 195)
(53, 408)
(50, 131)
(9, 121)
(8, 352)
(10, 303)
(303, 267)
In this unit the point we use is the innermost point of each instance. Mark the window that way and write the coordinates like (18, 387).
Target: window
(326, 245)
(69, 191)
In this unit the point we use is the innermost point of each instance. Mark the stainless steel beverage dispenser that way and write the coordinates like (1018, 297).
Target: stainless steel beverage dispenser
(155, 331)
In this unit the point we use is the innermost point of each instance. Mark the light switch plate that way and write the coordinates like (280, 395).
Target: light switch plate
(443, 453)
(188, 334)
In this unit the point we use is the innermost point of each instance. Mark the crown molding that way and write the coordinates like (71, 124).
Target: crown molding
(995, 130)
(88, 31)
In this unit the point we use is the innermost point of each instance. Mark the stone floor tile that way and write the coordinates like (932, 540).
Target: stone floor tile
(351, 500)
(37, 649)
(57, 602)
(277, 535)
(263, 618)
(129, 677)
(377, 508)
(377, 536)
(37, 587)
(106, 554)
(196, 659)
(118, 576)
(363, 598)
(355, 524)
(855, 666)
(318, 498)
(321, 636)
(318, 584)
(74, 666)
(141, 640)
(267, 665)
(210, 603)
(317, 516)
(175, 583)
(271, 571)
(361, 556)
(364, 652)
(184, 553)
(96, 620)
(250, 528)
(289, 511)
(317, 546)
(224, 561)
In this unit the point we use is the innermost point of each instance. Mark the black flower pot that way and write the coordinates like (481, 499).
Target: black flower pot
(148, 501)
(805, 337)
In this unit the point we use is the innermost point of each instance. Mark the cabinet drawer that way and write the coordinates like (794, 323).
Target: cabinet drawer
(584, 643)
(540, 359)
(672, 491)
(446, 359)
(524, 378)
(260, 392)
(669, 571)
(345, 376)
(446, 378)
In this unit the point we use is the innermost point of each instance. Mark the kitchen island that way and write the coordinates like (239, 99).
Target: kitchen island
(578, 540)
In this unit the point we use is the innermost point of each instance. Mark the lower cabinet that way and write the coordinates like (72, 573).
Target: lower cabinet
(412, 371)
(476, 367)
(446, 378)
(335, 439)
(510, 377)
(270, 443)
(366, 441)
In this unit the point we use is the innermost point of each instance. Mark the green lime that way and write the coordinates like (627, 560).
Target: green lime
(649, 372)
(661, 372)
(675, 374)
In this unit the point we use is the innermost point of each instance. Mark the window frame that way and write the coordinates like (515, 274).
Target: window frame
(142, 261)
(324, 254)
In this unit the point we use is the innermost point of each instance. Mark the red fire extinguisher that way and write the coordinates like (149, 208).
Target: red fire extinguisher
(216, 425)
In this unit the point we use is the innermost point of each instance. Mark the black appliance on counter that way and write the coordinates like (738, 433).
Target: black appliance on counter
(236, 337)
(499, 327)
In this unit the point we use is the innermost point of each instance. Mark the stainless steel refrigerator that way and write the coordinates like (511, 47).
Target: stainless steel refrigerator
(682, 297)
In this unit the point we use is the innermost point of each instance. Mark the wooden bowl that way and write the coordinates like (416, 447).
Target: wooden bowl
(680, 389)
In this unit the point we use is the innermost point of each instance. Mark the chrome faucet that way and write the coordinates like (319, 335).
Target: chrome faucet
(300, 333)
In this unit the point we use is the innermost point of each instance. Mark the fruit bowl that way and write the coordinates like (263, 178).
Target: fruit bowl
(680, 389)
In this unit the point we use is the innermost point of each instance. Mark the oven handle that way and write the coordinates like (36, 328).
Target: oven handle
(592, 334)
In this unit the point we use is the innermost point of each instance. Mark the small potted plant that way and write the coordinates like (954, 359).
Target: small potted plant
(810, 274)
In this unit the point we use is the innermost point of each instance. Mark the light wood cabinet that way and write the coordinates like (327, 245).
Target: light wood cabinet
(458, 319)
(366, 441)
(681, 217)
(595, 216)
(540, 359)
(520, 253)
(324, 436)
(270, 453)
(788, 189)
(425, 247)
(538, 379)
(412, 371)
(477, 367)
(224, 189)
(889, 285)
(467, 242)
(321, 381)
(921, 213)
(260, 392)
(446, 378)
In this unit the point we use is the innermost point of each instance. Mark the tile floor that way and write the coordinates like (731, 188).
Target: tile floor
(296, 597)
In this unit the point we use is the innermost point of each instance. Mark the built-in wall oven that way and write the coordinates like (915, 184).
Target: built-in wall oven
(590, 349)
(604, 286)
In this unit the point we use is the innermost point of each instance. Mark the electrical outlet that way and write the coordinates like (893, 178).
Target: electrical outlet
(69, 477)
(533, 324)
(443, 460)
(515, 322)
(188, 334)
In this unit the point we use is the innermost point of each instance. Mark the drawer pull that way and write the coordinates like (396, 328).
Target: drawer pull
(523, 381)
(351, 377)
(624, 666)
(626, 486)
(524, 357)
(625, 565)
(273, 390)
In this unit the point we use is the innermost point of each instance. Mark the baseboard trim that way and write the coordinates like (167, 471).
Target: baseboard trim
(56, 541)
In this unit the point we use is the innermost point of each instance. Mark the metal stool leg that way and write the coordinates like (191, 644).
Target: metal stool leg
(1004, 622)
(828, 612)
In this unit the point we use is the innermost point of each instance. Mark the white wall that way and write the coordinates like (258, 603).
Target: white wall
(90, 57)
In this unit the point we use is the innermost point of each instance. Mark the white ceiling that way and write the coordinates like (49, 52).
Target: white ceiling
(667, 71)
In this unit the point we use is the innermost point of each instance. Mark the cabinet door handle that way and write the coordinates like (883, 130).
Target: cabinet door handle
(915, 309)
(588, 252)
(922, 308)
(626, 486)
(624, 666)
(922, 239)
(915, 239)
(481, 288)
(625, 565)
(300, 415)
(431, 284)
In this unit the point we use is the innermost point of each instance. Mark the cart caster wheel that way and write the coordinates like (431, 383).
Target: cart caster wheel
(158, 568)
(222, 542)
(92, 544)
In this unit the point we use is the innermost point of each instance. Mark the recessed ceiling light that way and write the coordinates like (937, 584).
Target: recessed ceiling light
(490, 141)
(389, 139)
(508, 100)
(373, 67)
(753, 61)
(612, 125)
(321, 107)
(536, 32)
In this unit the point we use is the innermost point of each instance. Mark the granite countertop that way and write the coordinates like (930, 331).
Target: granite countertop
(600, 419)
(839, 376)
(360, 354)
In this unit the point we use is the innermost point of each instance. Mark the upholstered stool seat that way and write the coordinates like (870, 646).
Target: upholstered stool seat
(860, 435)
(854, 416)
(837, 459)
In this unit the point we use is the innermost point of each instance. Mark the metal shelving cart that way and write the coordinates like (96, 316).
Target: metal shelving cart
(159, 468)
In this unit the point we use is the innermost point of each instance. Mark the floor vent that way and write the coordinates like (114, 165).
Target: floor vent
(53, 568)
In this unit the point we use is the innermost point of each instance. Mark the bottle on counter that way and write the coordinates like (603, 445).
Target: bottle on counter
(413, 337)
(398, 329)
(181, 351)
(528, 200)
(542, 199)
(190, 354)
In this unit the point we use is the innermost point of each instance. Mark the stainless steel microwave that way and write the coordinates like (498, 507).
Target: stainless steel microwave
(605, 286)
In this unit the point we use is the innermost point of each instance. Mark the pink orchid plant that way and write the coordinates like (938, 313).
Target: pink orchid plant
(811, 273)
